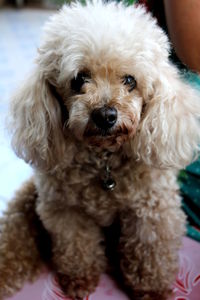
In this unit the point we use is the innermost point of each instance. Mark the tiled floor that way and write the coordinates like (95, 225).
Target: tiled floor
(19, 37)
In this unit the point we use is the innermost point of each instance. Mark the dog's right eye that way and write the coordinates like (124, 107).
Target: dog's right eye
(78, 81)
(130, 82)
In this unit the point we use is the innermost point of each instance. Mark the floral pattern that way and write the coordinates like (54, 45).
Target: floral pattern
(52, 290)
(187, 284)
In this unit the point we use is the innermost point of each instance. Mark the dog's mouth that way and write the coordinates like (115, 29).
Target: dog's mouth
(104, 133)
(110, 138)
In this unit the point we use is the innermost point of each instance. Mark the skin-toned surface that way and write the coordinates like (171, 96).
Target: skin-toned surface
(156, 134)
(183, 20)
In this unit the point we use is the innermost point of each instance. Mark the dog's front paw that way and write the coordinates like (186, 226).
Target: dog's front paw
(78, 288)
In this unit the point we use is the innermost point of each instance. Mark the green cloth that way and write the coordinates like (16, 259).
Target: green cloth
(189, 180)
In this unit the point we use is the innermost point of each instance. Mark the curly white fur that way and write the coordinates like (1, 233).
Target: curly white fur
(156, 134)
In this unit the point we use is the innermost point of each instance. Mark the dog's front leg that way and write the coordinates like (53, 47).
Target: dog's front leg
(78, 254)
(149, 246)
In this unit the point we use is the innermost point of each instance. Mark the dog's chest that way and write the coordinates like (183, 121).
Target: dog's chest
(85, 185)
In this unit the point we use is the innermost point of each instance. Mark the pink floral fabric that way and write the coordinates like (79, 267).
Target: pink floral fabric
(186, 286)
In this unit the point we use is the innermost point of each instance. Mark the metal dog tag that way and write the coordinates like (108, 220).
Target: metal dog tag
(108, 184)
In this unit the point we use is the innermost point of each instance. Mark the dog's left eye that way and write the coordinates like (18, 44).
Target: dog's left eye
(130, 81)
(78, 81)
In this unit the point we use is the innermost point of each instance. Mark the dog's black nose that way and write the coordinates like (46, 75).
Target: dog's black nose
(104, 117)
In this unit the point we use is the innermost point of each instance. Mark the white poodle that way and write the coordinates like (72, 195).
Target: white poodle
(106, 122)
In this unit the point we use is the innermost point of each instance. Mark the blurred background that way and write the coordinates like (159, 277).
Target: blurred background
(20, 29)
(33, 3)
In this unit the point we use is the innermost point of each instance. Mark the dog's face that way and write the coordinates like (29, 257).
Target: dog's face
(103, 70)
(104, 104)
(103, 79)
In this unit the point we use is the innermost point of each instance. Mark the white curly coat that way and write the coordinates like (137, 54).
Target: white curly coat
(156, 134)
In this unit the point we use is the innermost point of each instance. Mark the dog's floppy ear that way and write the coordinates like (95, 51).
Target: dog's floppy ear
(35, 122)
(169, 132)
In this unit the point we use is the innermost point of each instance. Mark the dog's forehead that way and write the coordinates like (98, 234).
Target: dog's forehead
(107, 65)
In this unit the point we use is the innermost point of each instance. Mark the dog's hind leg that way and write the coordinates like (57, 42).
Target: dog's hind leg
(20, 258)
